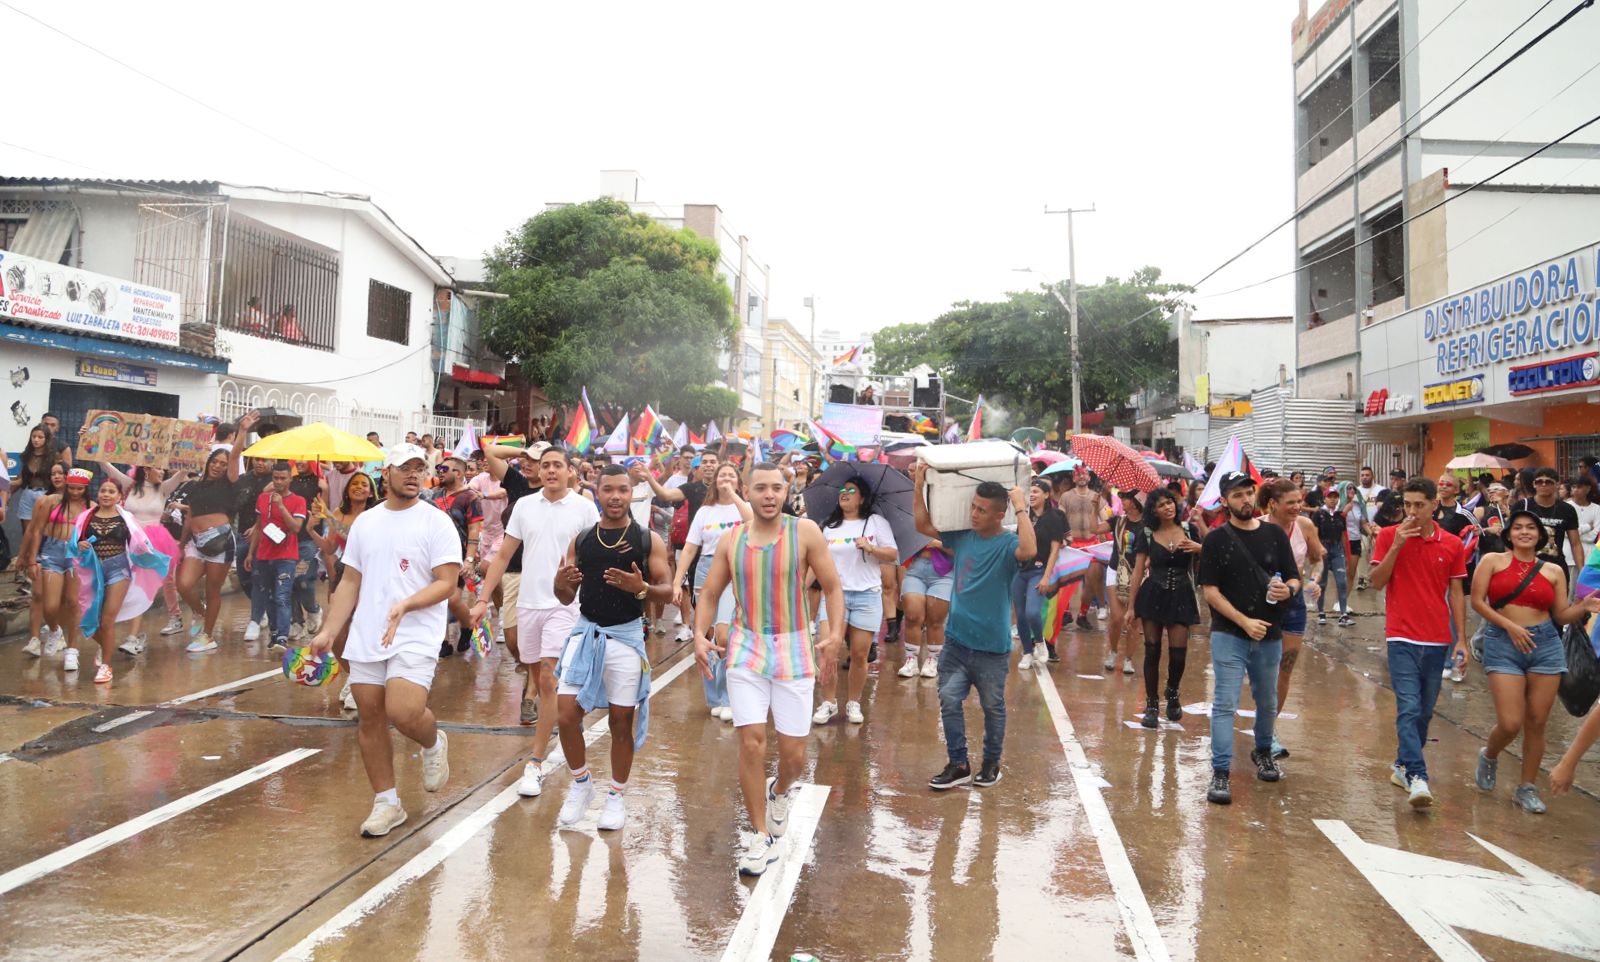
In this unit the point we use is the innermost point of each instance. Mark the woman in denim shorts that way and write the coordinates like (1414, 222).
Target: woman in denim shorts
(107, 530)
(925, 602)
(1522, 600)
(859, 541)
(48, 556)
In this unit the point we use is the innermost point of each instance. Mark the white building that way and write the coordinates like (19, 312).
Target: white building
(1379, 143)
(832, 345)
(1229, 357)
(312, 302)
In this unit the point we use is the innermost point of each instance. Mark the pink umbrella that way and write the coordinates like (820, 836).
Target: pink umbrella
(1119, 465)
(1046, 457)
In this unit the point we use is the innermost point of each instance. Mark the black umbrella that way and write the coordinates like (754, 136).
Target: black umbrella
(274, 420)
(1169, 470)
(891, 497)
(1511, 451)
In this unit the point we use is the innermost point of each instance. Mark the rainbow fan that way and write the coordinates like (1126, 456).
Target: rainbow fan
(304, 668)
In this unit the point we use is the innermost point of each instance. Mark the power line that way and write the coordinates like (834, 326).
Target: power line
(183, 93)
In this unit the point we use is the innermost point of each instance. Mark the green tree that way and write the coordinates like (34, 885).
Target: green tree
(1016, 351)
(599, 296)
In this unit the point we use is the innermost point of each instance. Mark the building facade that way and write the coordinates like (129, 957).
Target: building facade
(795, 376)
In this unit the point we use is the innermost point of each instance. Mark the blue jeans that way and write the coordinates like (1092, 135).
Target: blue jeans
(305, 586)
(1414, 674)
(960, 670)
(1232, 658)
(1334, 564)
(274, 579)
(1028, 605)
(241, 548)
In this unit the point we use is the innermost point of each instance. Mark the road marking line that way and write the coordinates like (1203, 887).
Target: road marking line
(446, 845)
(1143, 933)
(768, 904)
(61, 859)
(226, 686)
(121, 720)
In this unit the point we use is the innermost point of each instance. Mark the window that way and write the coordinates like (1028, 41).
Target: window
(1569, 450)
(278, 286)
(9, 226)
(388, 313)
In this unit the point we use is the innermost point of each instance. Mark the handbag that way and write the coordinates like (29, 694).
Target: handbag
(214, 545)
(1580, 686)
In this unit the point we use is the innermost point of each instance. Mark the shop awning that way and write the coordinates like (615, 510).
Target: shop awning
(481, 378)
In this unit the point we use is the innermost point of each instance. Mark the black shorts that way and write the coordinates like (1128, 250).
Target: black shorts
(1355, 549)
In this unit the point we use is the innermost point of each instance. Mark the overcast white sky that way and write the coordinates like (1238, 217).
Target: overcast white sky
(891, 158)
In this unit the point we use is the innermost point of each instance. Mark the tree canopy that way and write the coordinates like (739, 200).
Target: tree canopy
(1016, 352)
(602, 297)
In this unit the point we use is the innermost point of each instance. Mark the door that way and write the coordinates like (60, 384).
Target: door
(71, 400)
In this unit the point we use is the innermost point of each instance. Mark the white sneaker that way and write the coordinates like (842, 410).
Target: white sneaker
(436, 764)
(34, 647)
(852, 713)
(173, 626)
(684, 634)
(824, 713)
(532, 781)
(1447, 669)
(777, 808)
(930, 668)
(1397, 777)
(297, 632)
(726, 713)
(1025, 663)
(579, 795)
(252, 631)
(202, 643)
(384, 819)
(54, 643)
(313, 623)
(1420, 796)
(908, 667)
(612, 813)
(1110, 664)
(133, 646)
(1127, 666)
(1101, 613)
(69, 661)
(760, 853)
(348, 698)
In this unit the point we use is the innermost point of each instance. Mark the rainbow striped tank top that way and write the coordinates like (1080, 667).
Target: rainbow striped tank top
(769, 633)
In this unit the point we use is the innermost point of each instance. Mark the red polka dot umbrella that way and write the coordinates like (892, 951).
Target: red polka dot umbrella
(1117, 464)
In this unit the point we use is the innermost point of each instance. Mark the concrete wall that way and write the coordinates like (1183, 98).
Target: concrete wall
(1244, 356)
(1493, 233)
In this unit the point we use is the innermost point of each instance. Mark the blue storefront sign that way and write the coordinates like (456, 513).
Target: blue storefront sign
(1580, 370)
(100, 370)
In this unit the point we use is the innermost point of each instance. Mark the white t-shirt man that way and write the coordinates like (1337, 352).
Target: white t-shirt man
(545, 529)
(396, 552)
(857, 572)
(1370, 493)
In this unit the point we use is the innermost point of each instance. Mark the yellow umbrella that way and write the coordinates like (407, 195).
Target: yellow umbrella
(314, 442)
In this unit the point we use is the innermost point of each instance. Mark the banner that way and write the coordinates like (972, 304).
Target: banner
(145, 440)
(66, 298)
(857, 424)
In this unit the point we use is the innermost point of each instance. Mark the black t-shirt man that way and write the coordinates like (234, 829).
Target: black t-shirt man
(248, 489)
(1242, 576)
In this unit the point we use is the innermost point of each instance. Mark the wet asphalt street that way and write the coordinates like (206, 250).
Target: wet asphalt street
(204, 808)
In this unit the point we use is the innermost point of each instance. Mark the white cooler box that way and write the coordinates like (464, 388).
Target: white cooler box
(955, 470)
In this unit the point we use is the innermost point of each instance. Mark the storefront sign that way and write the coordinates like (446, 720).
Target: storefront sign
(113, 371)
(1447, 394)
(1471, 434)
(1582, 370)
(66, 298)
(1382, 402)
(857, 424)
(145, 440)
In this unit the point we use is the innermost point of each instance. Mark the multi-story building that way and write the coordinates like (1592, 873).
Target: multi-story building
(1381, 144)
(831, 345)
(795, 377)
(315, 303)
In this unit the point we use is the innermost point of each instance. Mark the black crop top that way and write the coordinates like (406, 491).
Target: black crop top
(210, 496)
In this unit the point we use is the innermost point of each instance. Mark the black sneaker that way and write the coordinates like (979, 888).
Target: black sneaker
(1152, 718)
(952, 776)
(1054, 659)
(872, 653)
(1362, 584)
(1083, 622)
(446, 649)
(1345, 621)
(893, 634)
(1266, 766)
(1322, 619)
(987, 775)
(1174, 710)
(465, 643)
(1219, 793)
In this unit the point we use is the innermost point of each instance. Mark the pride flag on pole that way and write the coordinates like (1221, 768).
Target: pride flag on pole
(835, 447)
(648, 431)
(618, 442)
(975, 432)
(680, 437)
(848, 356)
(581, 433)
(1233, 459)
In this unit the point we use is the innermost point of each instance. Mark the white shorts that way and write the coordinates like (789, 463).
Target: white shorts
(751, 696)
(543, 632)
(621, 675)
(414, 666)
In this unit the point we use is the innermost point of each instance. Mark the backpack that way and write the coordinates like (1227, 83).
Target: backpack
(680, 523)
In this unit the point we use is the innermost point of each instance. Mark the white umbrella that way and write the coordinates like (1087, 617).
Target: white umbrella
(1479, 460)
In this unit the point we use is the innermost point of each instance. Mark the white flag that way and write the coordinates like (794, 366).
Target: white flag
(468, 443)
(618, 442)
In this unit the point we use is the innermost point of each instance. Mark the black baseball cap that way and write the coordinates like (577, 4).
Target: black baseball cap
(1235, 479)
(1397, 473)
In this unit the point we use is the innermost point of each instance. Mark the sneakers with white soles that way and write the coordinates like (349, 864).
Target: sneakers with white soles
(133, 646)
(613, 813)
(436, 764)
(777, 808)
(824, 713)
(908, 667)
(202, 643)
(579, 795)
(34, 647)
(54, 644)
(384, 819)
(252, 631)
(761, 852)
(852, 713)
(930, 668)
(173, 626)
(1025, 663)
(532, 781)
(69, 661)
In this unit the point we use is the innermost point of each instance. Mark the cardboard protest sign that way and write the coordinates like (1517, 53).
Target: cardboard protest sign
(145, 440)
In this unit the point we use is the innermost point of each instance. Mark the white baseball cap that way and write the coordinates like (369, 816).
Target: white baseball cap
(399, 454)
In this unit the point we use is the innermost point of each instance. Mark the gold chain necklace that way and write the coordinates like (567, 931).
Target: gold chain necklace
(620, 538)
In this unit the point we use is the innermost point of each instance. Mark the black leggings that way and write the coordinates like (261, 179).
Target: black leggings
(1177, 655)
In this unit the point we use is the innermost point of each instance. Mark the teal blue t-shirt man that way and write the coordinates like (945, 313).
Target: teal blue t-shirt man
(980, 597)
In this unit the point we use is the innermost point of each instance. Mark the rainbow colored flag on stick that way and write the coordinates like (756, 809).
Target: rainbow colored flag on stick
(1056, 607)
(507, 440)
(975, 433)
(786, 440)
(835, 447)
(649, 430)
(581, 433)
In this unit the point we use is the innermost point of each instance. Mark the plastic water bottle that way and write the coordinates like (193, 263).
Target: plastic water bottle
(1277, 579)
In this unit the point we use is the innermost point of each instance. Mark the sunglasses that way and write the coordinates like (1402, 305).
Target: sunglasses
(1544, 480)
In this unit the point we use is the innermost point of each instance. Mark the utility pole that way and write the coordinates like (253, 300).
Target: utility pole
(1072, 315)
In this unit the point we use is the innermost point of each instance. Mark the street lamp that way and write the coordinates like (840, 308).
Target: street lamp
(1071, 305)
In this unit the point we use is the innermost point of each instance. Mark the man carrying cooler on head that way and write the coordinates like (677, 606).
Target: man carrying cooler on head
(977, 634)
(771, 665)
(401, 561)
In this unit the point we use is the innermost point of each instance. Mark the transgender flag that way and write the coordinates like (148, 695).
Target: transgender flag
(1587, 580)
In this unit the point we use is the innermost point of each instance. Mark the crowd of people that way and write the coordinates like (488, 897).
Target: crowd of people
(570, 562)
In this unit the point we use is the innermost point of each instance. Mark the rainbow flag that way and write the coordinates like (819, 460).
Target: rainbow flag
(922, 424)
(649, 431)
(581, 434)
(831, 444)
(848, 356)
(1586, 581)
(509, 440)
(786, 440)
(1054, 615)
(975, 432)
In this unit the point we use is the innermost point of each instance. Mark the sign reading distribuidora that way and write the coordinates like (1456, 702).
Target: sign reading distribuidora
(1534, 333)
(50, 295)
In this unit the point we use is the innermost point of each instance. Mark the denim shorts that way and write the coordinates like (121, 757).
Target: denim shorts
(55, 556)
(116, 568)
(922, 579)
(862, 609)
(1294, 621)
(1500, 656)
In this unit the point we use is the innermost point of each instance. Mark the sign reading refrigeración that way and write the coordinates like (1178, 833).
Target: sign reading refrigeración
(66, 298)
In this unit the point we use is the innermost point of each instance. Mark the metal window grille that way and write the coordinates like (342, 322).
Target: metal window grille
(277, 286)
(388, 312)
(8, 230)
(1569, 450)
